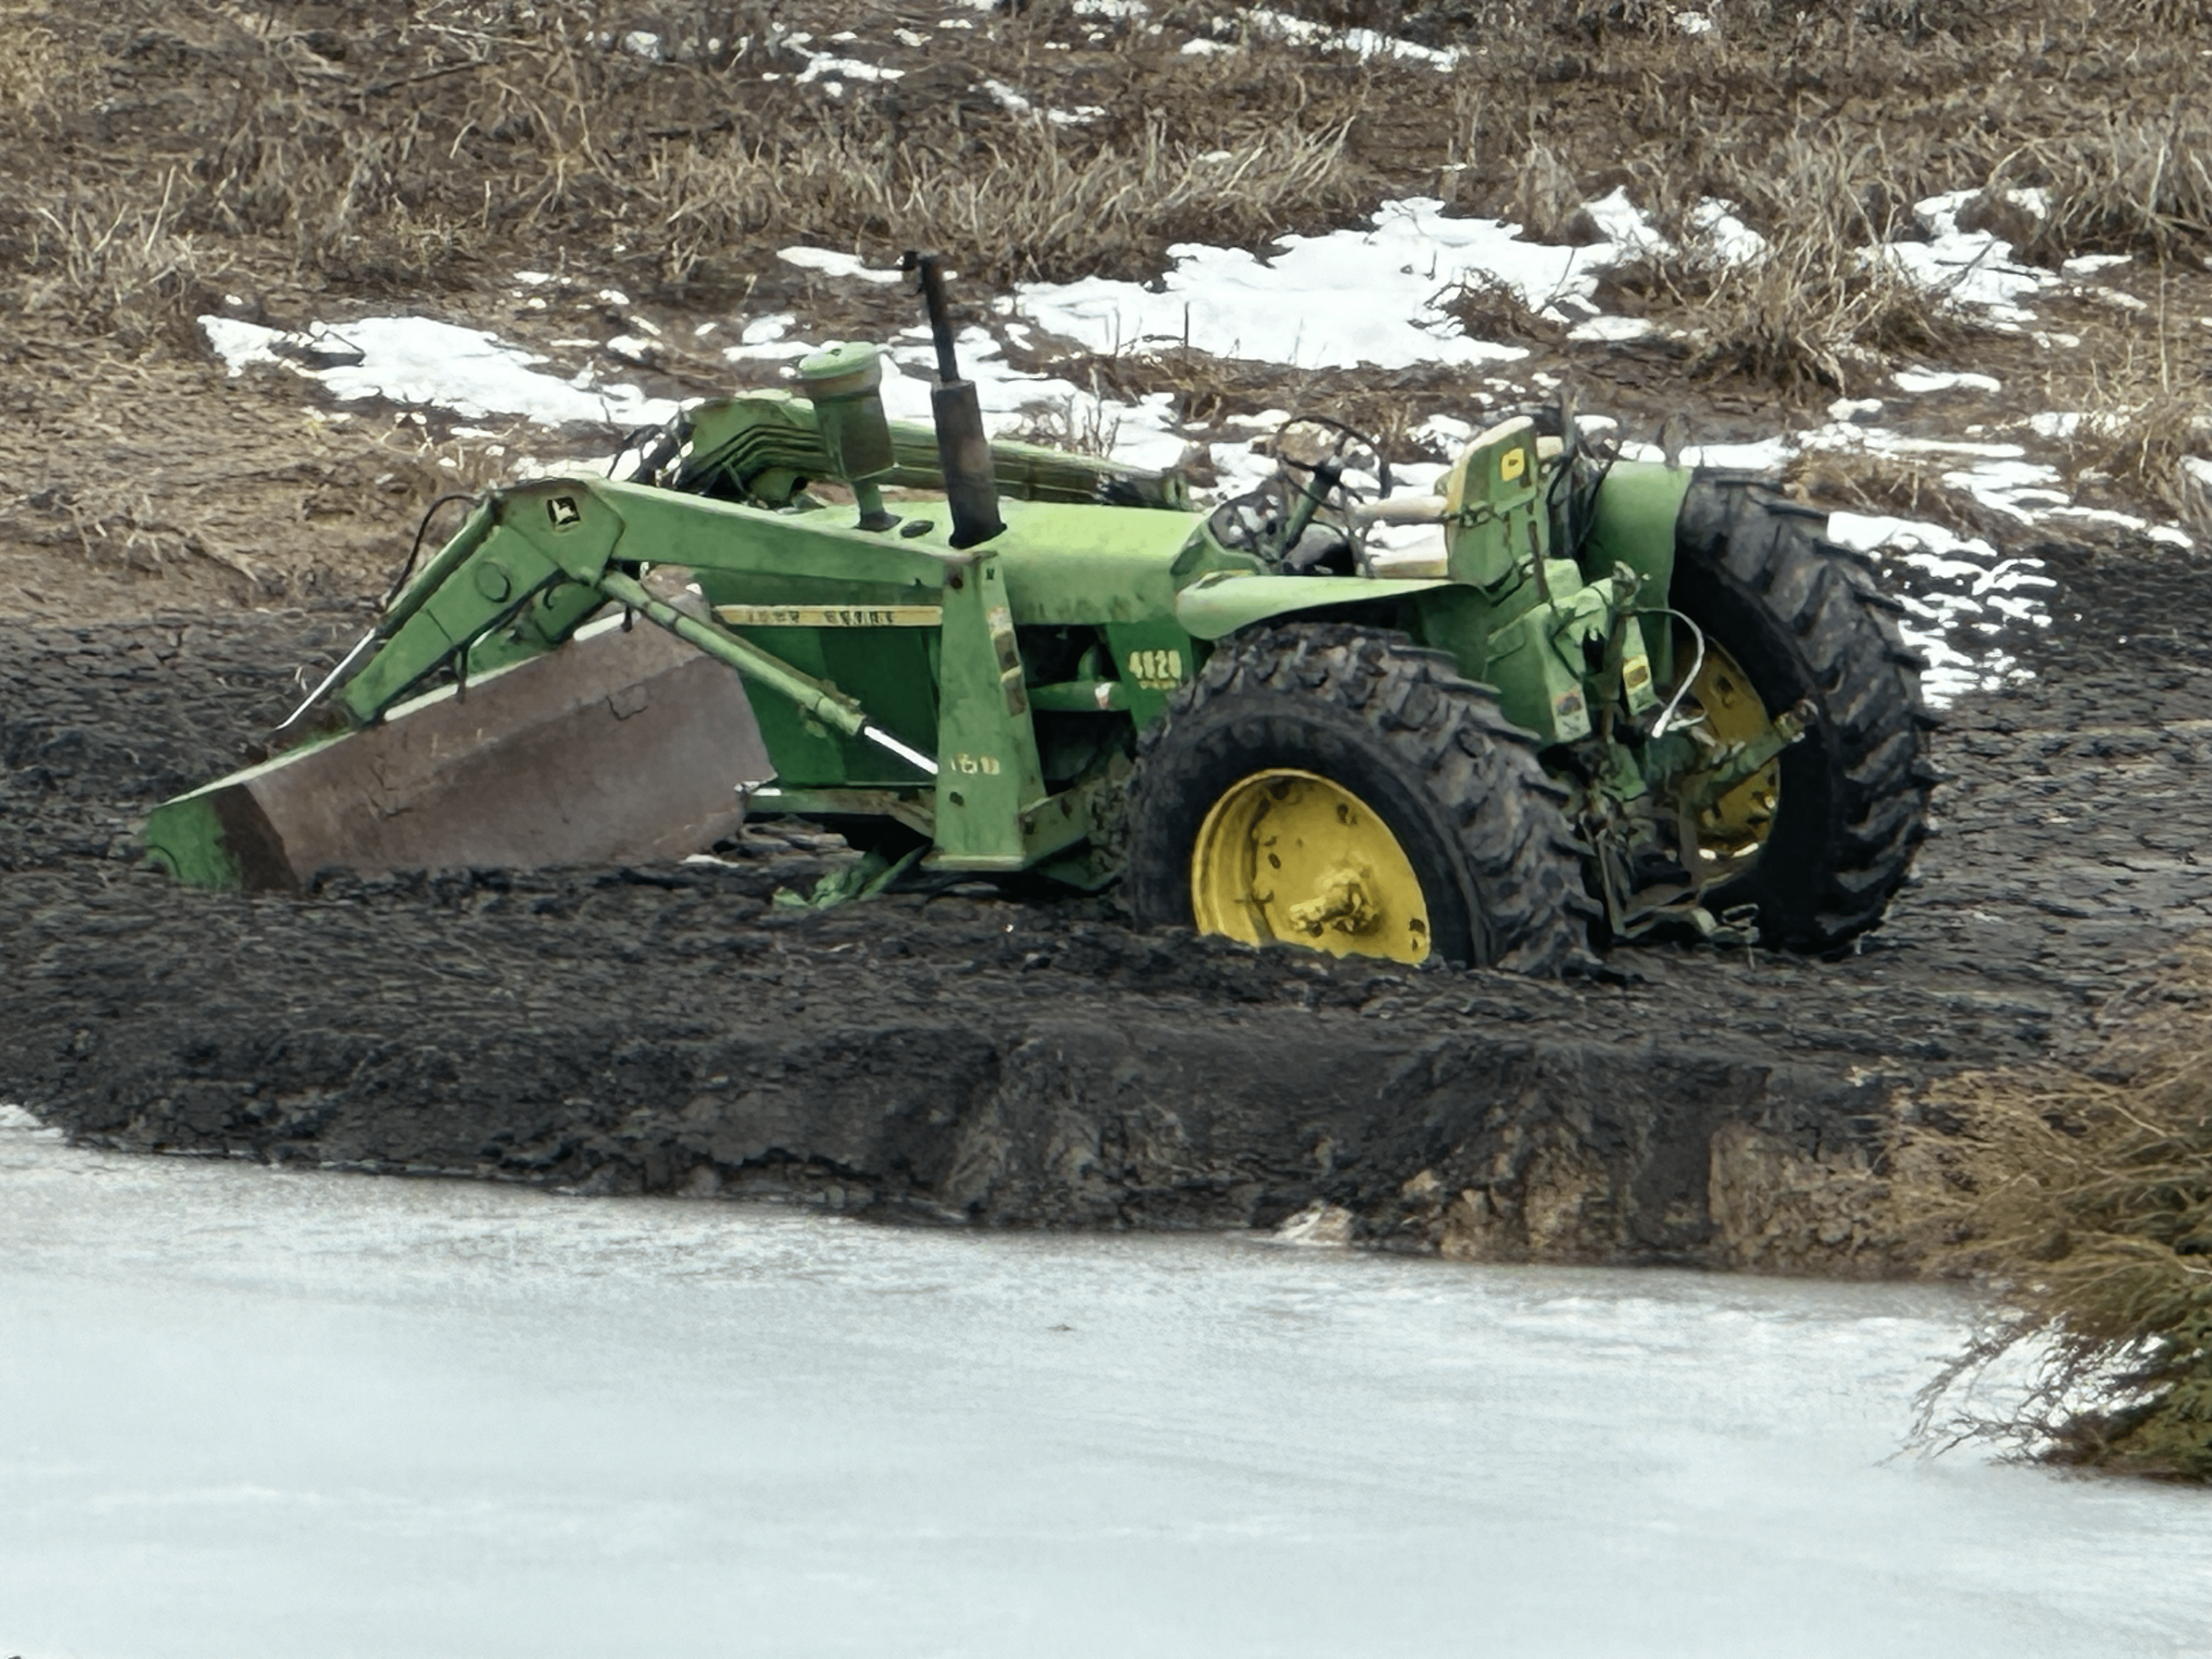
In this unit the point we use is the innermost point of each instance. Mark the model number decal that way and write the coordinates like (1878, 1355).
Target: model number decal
(1157, 670)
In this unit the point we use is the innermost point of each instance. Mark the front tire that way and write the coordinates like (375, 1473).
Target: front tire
(1845, 806)
(1340, 788)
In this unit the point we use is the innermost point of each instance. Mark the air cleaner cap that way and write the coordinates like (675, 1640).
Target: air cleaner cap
(851, 368)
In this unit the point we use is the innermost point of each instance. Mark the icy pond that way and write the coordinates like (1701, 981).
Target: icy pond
(251, 1413)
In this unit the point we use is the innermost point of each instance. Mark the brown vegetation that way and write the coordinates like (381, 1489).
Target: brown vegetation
(165, 154)
(378, 149)
(2083, 1194)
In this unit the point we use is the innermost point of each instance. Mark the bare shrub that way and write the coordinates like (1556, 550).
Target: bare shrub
(1889, 486)
(1488, 309)
(2144, 403)
(2138, 179)
(1814, 308)
(2083, 1195)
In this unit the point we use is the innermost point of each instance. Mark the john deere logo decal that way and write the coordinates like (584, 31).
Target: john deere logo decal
(563, 511)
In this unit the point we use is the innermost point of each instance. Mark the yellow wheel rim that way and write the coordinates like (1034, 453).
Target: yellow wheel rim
(1733, 829)
(1289, 856)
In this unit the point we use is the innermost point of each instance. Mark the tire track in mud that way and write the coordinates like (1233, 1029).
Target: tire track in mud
(1012, 1062)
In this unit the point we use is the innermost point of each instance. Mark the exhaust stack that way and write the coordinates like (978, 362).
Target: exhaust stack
(963, 450)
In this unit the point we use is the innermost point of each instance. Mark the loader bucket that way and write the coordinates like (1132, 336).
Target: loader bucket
(623, 746)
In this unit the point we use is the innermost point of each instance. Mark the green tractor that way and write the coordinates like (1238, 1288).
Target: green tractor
(1567, 693)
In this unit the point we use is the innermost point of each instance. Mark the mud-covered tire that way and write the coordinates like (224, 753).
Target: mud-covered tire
(1805, 619)
(1430, 752)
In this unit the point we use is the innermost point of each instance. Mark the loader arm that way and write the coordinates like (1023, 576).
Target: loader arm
(531, 562)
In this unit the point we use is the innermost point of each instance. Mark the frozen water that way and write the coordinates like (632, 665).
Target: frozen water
(254, 1413)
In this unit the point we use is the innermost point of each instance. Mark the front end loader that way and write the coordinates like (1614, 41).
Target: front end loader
(1565, 693)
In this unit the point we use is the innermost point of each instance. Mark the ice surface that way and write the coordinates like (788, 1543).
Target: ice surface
(253, 1413)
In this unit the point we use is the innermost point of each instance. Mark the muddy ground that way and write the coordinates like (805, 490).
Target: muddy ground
(1007, 1061)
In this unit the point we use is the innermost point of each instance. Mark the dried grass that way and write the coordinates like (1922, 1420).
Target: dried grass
(1861, 481)
(164, 141)
(2146, 408)
(2084, 1196)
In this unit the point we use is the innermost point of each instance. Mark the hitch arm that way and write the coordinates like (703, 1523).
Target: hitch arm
(1739, 761)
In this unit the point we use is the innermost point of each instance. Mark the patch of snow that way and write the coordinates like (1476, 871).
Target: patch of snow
(2089, 265)
(2055, 424)
(1725, 237)
(1952, 587)
(1854, 409)
(1921, 381)
(1627, 231)
(2171, 537)
(1968, 267)
(1352, 297)
(1362, 43)
(419, 361)
(831, 262)
(1693, 22)
(822, 65)
(1765, 455)
(1611, 329)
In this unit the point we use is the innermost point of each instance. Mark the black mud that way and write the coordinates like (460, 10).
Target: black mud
(979, 1059)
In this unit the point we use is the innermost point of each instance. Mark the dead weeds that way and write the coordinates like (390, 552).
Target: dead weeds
(2083, 1195)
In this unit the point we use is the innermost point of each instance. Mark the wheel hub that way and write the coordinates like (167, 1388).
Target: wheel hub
(1291, 856)
(1732, 830)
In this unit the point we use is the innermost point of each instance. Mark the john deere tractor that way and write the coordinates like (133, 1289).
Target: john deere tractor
(1567, 699)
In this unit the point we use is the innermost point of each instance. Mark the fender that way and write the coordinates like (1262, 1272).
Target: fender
(1218, 604)
(1637, 503)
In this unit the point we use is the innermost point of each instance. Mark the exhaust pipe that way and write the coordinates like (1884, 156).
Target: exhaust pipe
(963, 452)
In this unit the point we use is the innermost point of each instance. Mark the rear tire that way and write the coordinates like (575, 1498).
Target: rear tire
(1804, 619)
(1396, 729)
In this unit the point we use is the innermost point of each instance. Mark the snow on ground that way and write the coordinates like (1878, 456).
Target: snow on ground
(1974, 267)
(1370, 296)
(1966, 587)
(419, 361)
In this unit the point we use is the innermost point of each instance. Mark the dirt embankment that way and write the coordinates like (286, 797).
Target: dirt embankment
(1017, 1062)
